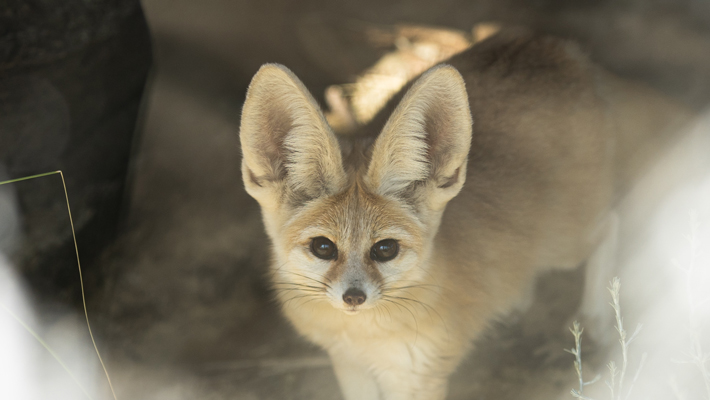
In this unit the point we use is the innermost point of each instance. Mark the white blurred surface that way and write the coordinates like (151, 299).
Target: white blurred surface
(664, 266)
(27, 370)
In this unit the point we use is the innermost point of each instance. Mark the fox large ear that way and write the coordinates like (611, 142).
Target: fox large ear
(289, 152)
(421, 154)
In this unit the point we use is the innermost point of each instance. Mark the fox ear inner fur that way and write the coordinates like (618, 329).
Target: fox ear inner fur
(289, 152)
(422, 152)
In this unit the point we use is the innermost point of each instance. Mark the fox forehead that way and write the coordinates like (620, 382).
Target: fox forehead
(354, 218)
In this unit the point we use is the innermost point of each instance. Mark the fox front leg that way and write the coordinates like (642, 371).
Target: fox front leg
(355, 380)
(420, 372)
(412, 386)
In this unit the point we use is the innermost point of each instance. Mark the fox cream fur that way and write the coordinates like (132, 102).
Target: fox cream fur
(470, 218)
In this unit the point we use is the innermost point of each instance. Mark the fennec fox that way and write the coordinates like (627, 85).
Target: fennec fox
(383, 256)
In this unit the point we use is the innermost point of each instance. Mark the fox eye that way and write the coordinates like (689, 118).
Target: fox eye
(384, 250)
(323, 248)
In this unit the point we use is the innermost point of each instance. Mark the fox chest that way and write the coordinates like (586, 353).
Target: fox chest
(376, 338)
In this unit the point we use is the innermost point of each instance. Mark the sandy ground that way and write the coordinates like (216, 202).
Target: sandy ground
(187, 313)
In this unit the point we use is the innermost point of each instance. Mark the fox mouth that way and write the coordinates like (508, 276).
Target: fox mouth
(351, 309)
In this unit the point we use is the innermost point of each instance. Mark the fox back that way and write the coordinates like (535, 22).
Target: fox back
(394, 247)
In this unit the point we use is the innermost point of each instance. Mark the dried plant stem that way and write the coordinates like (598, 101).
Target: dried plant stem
(81, 281)
(612, 375)
(614, 289)
(577, 352)
(615, 386)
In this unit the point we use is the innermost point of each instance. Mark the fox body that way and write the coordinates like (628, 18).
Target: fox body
(393, 248)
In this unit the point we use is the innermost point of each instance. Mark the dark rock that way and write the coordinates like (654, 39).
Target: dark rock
(72, 75)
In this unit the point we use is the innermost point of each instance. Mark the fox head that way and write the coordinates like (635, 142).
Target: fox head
(351, 223)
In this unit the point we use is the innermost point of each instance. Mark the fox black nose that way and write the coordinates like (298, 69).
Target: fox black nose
(354, 297)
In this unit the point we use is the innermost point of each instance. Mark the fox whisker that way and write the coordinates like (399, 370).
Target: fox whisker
(416, 324)
(308, 277)
(300, 285)
(286, 303)
(384, 289)
(388, 311)
(426, 307)
(300, 290)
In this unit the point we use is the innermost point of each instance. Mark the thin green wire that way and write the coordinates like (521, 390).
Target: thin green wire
(29, 177)
(83, 296)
